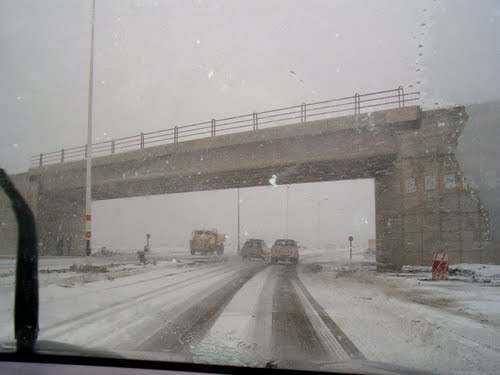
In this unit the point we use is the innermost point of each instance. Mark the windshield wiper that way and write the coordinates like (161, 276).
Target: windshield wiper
(26, 293)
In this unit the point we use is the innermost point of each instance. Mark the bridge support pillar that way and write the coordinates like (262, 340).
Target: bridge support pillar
(425, 205)
(61, 223)
(388, 220)
(28, 185)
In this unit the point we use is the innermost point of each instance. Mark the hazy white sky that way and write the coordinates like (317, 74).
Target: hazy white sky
(161, 63)
(164, 63)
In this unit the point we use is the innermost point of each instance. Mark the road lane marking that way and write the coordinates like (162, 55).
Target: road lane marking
(336, 331)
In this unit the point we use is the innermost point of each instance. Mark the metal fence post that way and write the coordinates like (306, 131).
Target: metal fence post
(176, 134)
(303, 112)
(401, 96)
(62, 155)
(41, 159)
(255, 120)
(213, 127)
(112, 146)
(357, 104)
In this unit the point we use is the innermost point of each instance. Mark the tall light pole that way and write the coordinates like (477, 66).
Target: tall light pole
(286, 219)
(319, 221)
(88, 182)
(238, 248)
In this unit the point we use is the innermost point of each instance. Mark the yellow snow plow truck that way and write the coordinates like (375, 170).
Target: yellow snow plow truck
(207, 242)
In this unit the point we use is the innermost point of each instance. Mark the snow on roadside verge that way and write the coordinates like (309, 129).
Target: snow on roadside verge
(60, 283)
(446, 326)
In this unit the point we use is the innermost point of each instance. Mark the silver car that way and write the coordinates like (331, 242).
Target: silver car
(285, 250)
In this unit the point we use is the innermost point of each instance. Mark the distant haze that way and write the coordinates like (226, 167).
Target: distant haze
(319, 214)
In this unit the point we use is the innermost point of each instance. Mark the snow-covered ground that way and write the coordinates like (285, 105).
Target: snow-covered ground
(408, 319)
(224, 310)
(442, 326)
(65, 292)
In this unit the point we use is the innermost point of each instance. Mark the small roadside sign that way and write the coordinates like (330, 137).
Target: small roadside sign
(440, 266)
(147, 248)
(351, 238)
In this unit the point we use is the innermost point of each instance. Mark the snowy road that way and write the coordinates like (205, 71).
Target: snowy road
(229, 311)
(175, 313)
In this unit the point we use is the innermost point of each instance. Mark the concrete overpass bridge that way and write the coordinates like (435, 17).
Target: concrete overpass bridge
(422, 202)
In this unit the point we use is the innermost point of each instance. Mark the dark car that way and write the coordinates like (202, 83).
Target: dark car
(254, 248)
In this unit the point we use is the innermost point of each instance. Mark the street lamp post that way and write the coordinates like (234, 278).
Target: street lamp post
(319, 221)
(238, 248)
(88, 182)
(286, 219)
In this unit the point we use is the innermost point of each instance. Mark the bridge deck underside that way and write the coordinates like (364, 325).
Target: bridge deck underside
(327, 170)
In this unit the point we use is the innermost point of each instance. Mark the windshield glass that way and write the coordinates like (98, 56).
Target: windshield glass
(161, 144)
(285, 243)
(253, 243)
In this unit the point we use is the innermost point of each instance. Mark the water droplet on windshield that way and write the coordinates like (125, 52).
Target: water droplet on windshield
(272, 180)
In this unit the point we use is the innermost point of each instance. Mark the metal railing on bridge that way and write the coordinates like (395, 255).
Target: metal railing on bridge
(395, 98)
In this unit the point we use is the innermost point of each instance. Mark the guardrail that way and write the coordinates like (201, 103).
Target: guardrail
(395, 98)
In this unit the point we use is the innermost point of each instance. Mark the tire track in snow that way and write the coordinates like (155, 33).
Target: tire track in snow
(263, 313)
(193, 324)
(293, 336)
(76, 322)
(168, 311)
(89, 292)
(301, 329)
